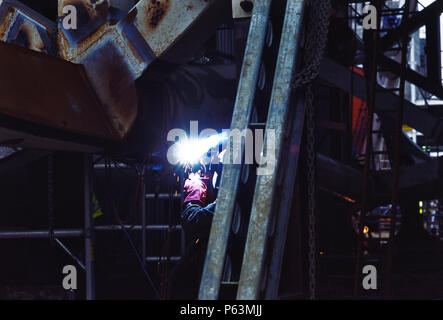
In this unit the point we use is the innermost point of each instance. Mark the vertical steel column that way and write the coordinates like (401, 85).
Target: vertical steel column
(397, 151)
(221, 224)
(89, 229)
(253, 259)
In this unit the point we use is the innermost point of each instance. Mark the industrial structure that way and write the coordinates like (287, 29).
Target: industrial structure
(332, 191)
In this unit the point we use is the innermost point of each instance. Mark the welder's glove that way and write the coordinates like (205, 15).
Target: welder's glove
(196, 189)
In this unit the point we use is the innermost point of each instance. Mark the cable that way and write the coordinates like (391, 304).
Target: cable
(119, 221)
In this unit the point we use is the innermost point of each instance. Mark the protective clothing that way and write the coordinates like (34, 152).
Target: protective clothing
(197, 219)
(196, 189)
(196, 216)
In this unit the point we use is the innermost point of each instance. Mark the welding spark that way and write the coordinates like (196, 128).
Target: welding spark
(191, 151)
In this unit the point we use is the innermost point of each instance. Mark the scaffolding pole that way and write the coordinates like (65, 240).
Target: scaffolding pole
(89, 230)
(77, 233)
(143, 208)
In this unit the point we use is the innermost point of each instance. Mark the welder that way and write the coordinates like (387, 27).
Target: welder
(199, 205)
(196, 219)
(201, 192)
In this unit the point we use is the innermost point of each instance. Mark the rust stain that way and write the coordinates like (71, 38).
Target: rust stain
(115, 86)
(67, 52)
(8, 19)
(94, 37)
(132, 48)
(61, 41)
(156, 12)
(90, 14)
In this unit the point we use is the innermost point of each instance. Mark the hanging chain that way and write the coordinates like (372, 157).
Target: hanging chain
(311, 159)
(316, 41)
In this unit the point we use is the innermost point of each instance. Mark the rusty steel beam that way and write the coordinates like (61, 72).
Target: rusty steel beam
(67, 104)
(24, 27)
(173, 29)
(110, 63)
(92, 23)
(114, 54)
(163, 29)
(108, 67)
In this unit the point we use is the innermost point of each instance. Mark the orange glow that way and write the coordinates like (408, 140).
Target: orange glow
(365, 229)
(338, 195)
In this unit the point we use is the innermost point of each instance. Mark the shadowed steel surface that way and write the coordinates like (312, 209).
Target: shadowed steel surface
(253, 260)
(215, 258)
(42, 89)
(418, 118)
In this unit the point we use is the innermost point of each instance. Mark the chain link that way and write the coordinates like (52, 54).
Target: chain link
(311, 161)
(316, 41)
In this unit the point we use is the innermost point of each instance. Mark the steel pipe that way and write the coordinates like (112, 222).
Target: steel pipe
(77, 233)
